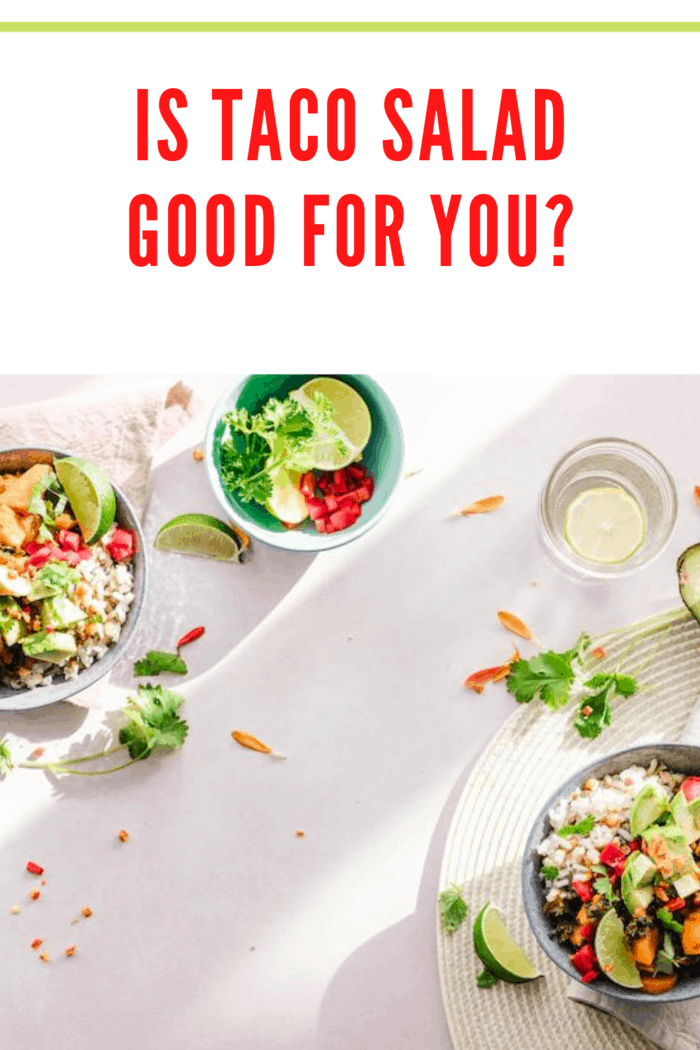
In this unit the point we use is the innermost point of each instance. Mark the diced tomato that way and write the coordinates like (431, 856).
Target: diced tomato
(587, 931)
(611, 855)
(69, 541)
(323, 482)
(355, 471)
(71, 558)
(364, 492)
(119, 553)
(634, 845)
(341, 519)
(32, 548)
(124, 538)
(317, 508)
(585, 960)
(691, 788)
(590, 976)
(43, 554)
(331, 504)
(584, 890)
(321, 524)
(307, 485)
(340, 485)
(675, 905)
(329, 526)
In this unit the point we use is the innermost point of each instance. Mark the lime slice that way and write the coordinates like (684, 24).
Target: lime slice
(350, 415)
(605, 525)
(90, 495)
(646, 809)
(496, 949)
(201, 535)
(614, 956)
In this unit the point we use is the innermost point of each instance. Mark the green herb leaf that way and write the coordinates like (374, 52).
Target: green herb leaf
(6, 763)
(453, 908)
(153, 721)
(600, 868)
(583, 642)
(605, 887)
(548, 674)
(486, 979)
(594, 713)
(584, 827)
(155, 662)
(666, 918)
(550, 871)
(666, 957)
(58, 574)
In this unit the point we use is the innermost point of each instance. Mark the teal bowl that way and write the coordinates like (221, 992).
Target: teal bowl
(383, 458)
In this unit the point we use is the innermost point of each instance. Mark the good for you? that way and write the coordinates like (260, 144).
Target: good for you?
(311, 135)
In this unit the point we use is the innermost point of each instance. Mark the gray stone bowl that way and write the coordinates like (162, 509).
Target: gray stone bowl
(680, 758)
(17, 459)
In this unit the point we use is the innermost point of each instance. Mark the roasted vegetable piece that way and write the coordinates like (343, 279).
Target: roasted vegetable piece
(644, 948)
(691, 934)
(659, 984)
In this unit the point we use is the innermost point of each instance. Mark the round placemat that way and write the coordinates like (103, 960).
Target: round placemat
(534, 752)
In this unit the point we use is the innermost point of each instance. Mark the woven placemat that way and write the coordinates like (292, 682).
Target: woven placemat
(534, 752)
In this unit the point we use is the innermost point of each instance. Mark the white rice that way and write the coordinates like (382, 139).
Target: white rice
(609, 801)
(106, 592)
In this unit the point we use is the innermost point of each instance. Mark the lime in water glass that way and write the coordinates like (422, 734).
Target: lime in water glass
(607, 509)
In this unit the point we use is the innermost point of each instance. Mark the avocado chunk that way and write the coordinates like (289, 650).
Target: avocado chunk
(687, 884)
(668, 849)
(680, 811)
(634, 887)
(60, 612)
(688, 569)
(647, 807)
(41, 590)
(52, 646)
(12, 628)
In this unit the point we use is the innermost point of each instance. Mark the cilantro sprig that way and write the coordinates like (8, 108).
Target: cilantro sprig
(583, 827)
(550, 871)
(152, 723)
(282, 434)
(155, 662)
(453, 908)
(558, 677)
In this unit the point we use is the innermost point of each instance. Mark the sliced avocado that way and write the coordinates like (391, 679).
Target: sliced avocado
(669, 851)
(687, 884)
(60, 612)
(646, 808)
(13, 584)
(12, 628)
(680, 811)
(52, 646)
(641, 868)
(42, 590)
(635, 897)
(694, 810)
(688, 569)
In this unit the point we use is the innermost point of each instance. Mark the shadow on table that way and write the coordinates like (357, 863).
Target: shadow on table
(228, 599)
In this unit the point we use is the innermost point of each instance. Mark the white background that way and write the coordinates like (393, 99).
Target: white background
(623, 300)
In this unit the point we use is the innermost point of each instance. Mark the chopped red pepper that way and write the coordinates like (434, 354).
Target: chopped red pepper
(191, 636)
(585, 959)
(33, 868)
(590, 976)
(584, 890)
(587, 931)
(675, 905)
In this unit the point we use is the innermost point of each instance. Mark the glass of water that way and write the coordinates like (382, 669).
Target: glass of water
(607, 509)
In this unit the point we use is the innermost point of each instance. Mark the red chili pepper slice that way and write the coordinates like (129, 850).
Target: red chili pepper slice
(34, 869)
(590, 976)
(675, 905)
(191, 636)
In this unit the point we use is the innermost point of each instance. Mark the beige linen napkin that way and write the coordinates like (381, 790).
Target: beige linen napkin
(674, 1026)
(119, 425)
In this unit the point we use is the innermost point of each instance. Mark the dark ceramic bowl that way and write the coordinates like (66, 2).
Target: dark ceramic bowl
(17, 459)
(680, 758)
(383, 458)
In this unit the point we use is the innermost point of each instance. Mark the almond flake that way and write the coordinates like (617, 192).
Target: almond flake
(481, 506)
(696, 493)
(45, 957)
(512, 623)
(252, 742)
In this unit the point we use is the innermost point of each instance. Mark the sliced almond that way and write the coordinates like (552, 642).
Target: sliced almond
(252, 742)
(481, 506)
(514, 624)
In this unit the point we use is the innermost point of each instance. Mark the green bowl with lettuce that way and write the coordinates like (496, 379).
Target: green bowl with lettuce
(382, 457)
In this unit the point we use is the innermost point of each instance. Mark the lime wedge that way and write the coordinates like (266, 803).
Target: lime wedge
(605, 525)
(646, 809)
(90, 495)
(614, 956)
(201, 535)
(351, 417)
(496, 949)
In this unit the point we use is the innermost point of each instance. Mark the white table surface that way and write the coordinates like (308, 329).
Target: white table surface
(215, 926)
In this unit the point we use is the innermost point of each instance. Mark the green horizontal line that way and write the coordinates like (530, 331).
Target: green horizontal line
(349, 27)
